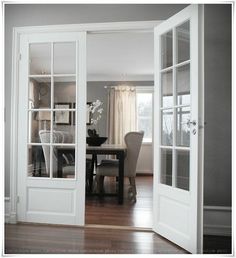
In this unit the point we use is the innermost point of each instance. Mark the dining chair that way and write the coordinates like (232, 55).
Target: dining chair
(68, 168)
(68, 161)
(110, 167)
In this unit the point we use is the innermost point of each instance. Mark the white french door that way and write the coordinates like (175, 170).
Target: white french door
(176, 129)
(51, 117)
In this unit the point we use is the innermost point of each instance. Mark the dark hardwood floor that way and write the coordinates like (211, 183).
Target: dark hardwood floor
(106, 211)
(44, 239)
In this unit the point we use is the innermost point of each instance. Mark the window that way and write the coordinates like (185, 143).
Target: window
(144, 113)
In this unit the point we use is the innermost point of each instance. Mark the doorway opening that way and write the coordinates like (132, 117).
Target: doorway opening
(122, 61)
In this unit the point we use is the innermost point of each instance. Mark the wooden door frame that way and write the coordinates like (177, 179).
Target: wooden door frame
(90, 28)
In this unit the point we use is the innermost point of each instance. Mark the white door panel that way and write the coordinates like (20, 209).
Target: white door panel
(52, 98)
(176, 129)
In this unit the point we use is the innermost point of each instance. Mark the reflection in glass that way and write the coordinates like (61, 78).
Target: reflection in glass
(39, 93)
(64, 58)
(182, 179)
(166, 167)
(63, 161)
(183, 85)
(167, 88)
(183, 128)
(37, 165)
(40, 58)
(38, 121)
(166, 50)
(183, 42)
(167, 127)
(64, 90)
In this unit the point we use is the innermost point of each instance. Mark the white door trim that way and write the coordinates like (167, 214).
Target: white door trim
(17, 32)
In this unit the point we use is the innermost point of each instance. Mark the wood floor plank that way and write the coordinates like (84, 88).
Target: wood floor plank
(106, 211)
(45, 239)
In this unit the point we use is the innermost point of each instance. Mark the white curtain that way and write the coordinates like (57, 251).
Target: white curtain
(121, 113)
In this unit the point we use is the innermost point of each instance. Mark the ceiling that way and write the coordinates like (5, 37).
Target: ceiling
(120, 56)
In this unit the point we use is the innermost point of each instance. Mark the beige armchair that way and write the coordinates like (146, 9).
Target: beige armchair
(133, 141)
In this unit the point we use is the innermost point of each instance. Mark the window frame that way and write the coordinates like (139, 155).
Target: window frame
(145, 89)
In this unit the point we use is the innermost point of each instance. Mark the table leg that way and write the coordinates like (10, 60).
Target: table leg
(121, 178)
(94, 163)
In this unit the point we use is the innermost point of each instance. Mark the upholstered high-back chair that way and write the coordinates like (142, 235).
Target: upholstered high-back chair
(58, 137)
(133, 141)
(44, 136)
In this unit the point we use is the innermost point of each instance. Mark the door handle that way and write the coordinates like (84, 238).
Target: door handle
(189, 123)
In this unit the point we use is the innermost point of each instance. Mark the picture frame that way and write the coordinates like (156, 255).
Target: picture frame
(62, 117)
(88, 116)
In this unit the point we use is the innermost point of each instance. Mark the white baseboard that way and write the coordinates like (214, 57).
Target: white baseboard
(142, 172)
(217, 220)
(10, 217)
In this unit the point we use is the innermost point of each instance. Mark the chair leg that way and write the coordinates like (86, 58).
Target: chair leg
(133, 184)
(133, 188)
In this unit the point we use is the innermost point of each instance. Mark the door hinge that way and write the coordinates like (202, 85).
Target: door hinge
(19, 57)
(18, 199)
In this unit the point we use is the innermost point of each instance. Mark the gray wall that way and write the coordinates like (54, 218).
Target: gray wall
(17, 15)
(217, 174)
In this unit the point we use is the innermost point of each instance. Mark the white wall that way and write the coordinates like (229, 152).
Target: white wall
(145, 160)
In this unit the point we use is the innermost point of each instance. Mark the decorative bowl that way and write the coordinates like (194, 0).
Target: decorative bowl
(95, 141)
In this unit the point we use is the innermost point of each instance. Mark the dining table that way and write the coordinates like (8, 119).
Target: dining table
(105, 149)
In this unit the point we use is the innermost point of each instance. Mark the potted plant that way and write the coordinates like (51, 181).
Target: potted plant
(96, 110)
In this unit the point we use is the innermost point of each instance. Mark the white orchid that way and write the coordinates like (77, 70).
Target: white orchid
(97, 111)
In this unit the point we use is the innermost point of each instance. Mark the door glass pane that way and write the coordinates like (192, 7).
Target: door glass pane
(183, 85)
(64, 126)
(63, 158)
(167, 127)
(38, 161)
(183, 42)
(40, 58)
(64, 90)
(166, 167)
(166, 50)
(39, 122)
(183, 128)
(182, 179)
(64, 58)
(39, 93)
(167, 88)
